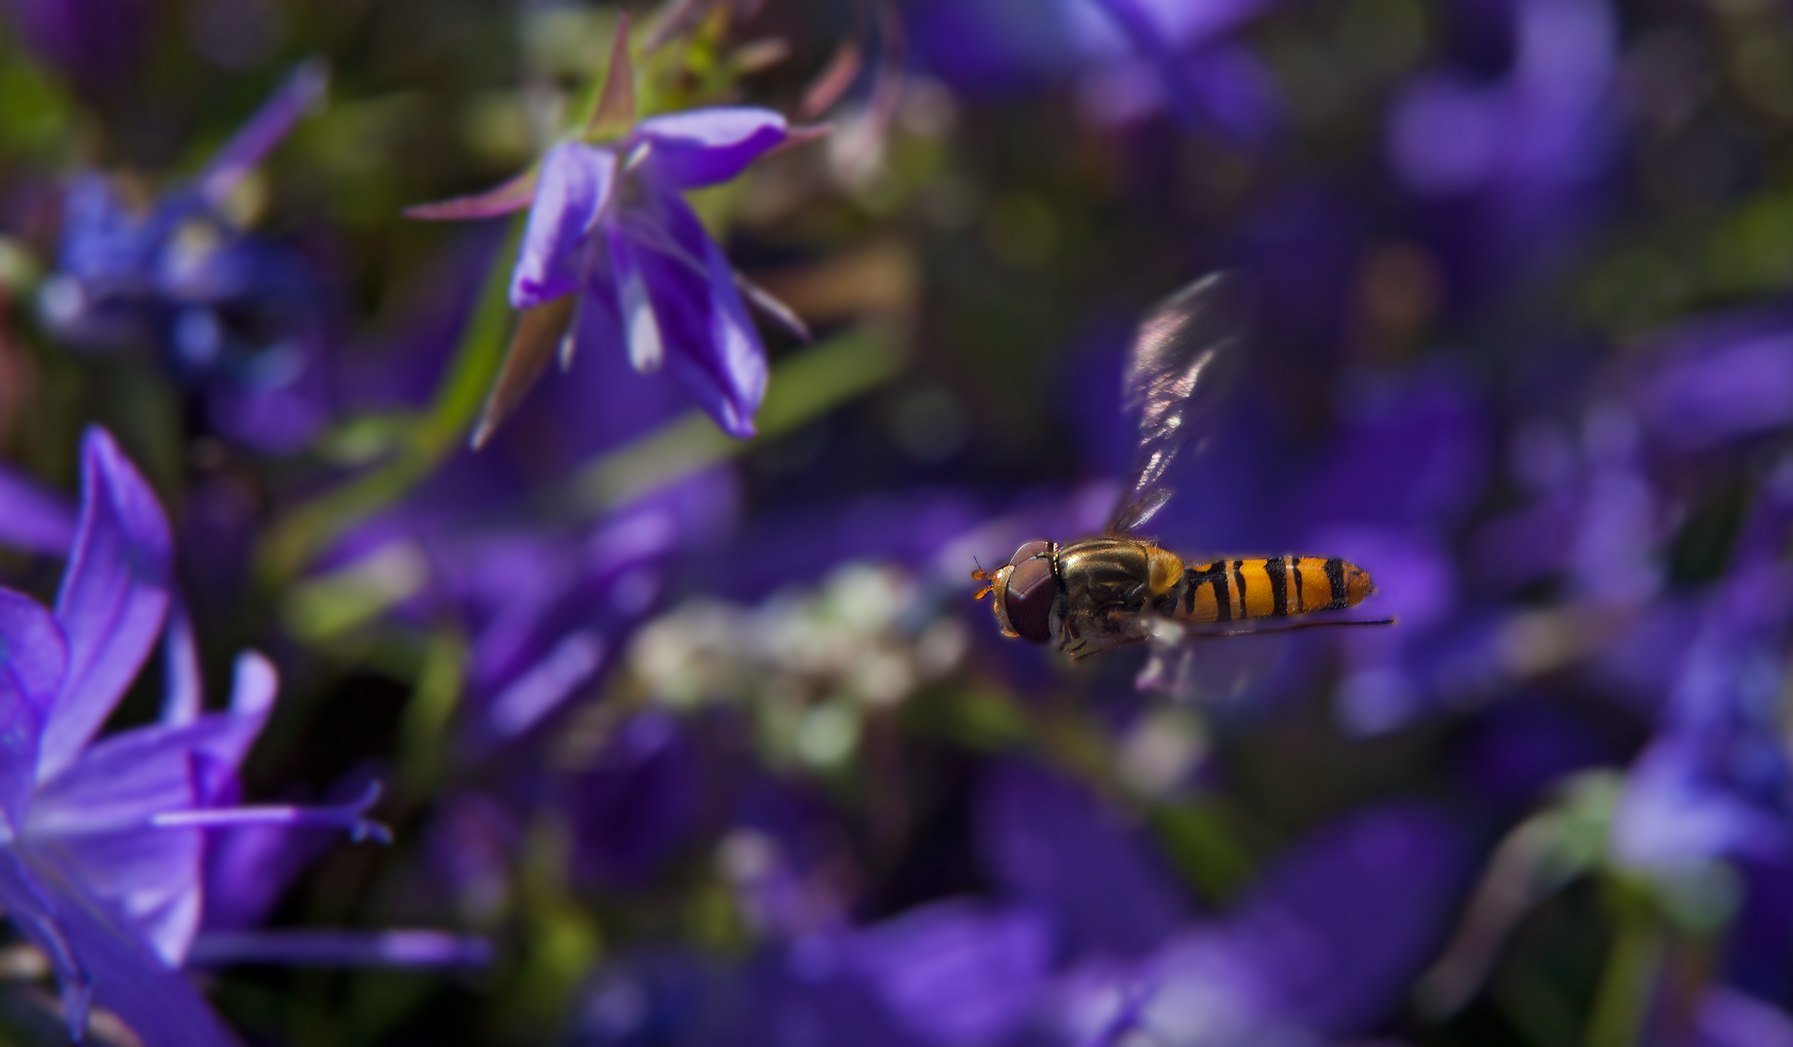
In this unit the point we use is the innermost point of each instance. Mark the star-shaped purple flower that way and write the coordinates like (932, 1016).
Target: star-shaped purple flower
(610, 232)
(238, 316)
(102, 841)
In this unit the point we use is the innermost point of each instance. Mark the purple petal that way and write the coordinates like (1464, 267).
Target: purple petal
(641, 329)
(640, 803)
(1053, 846)
(541, 690)
(32, 649)
(113, 598)
(156, 1001)
(185, 698)
(32, 659)
(414, 948)
(705, 146)
(1674, 812)
(302, 90)
(574, 188)
(712, 345)
(1329, 931)
(33, 518)
(1739, 387)
(100, 962)
(36, 914)
(957, 973)
(126, 779)
(149, 880)
(1728, 1018)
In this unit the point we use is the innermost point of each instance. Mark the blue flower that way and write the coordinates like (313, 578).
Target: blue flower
(227, 311)
(610, 234)
(102, 840)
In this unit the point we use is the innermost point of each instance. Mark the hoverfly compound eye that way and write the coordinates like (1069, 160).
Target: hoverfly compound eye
(1025, 590)
(1028, 601)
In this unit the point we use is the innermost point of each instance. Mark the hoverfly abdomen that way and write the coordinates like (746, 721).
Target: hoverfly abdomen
(1274, 587)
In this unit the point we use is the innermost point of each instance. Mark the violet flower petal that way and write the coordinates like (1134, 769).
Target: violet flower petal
(1051, 845)
(956, 972)
(148, 880)
(32, 659)
(32, 518)
(184, 699)
(528, 699)
(113, 598)
(1329, 931)
(302, 90)
(575, 185)
(714, 350)
(32, 649)
(1729, 1018)
(641, 329)
(156, 1001)
(308, 948)
(36, 914)
(702, 147)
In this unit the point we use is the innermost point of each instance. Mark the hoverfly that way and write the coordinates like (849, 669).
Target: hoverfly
(1117, 589)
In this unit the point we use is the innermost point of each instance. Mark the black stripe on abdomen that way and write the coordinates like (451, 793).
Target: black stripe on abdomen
(1214, 574)
(1335, 577)
(1278, 570)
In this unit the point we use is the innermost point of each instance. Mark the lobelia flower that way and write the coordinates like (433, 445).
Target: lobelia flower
(1526, 151)
(103, 841)
(234, 315)
(610, 236)
(1131, 58)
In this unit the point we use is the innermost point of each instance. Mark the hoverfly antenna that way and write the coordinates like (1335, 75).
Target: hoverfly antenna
(981, 575)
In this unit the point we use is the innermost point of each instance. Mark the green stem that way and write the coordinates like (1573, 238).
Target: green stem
(799, 389)
(1623, 998)
(294, 540)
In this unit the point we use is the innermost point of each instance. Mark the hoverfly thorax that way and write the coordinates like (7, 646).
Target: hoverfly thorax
(1025, 591)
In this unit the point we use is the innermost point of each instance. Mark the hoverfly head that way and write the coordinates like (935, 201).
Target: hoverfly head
(1023, 591)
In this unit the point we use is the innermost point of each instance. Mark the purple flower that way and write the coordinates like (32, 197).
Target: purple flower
(956, 972)
(1720, 379)
(1132, 57)
(1728, 1018)
(32, 518)
(235, 314)
(1524, 152)
(1325, 944)
(92, 42)
(1050, 844)
(103, 855)
(1716, 782)
(611, 236)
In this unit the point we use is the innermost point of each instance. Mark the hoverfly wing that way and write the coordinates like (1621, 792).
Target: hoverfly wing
(1183, 361)
(1184, 670)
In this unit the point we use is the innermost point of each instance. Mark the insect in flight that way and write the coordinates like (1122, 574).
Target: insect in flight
(1102, 592)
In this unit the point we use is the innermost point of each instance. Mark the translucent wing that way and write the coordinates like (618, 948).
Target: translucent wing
(1185, 357)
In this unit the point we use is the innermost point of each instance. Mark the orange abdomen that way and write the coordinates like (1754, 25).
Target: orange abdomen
(1226, 590)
